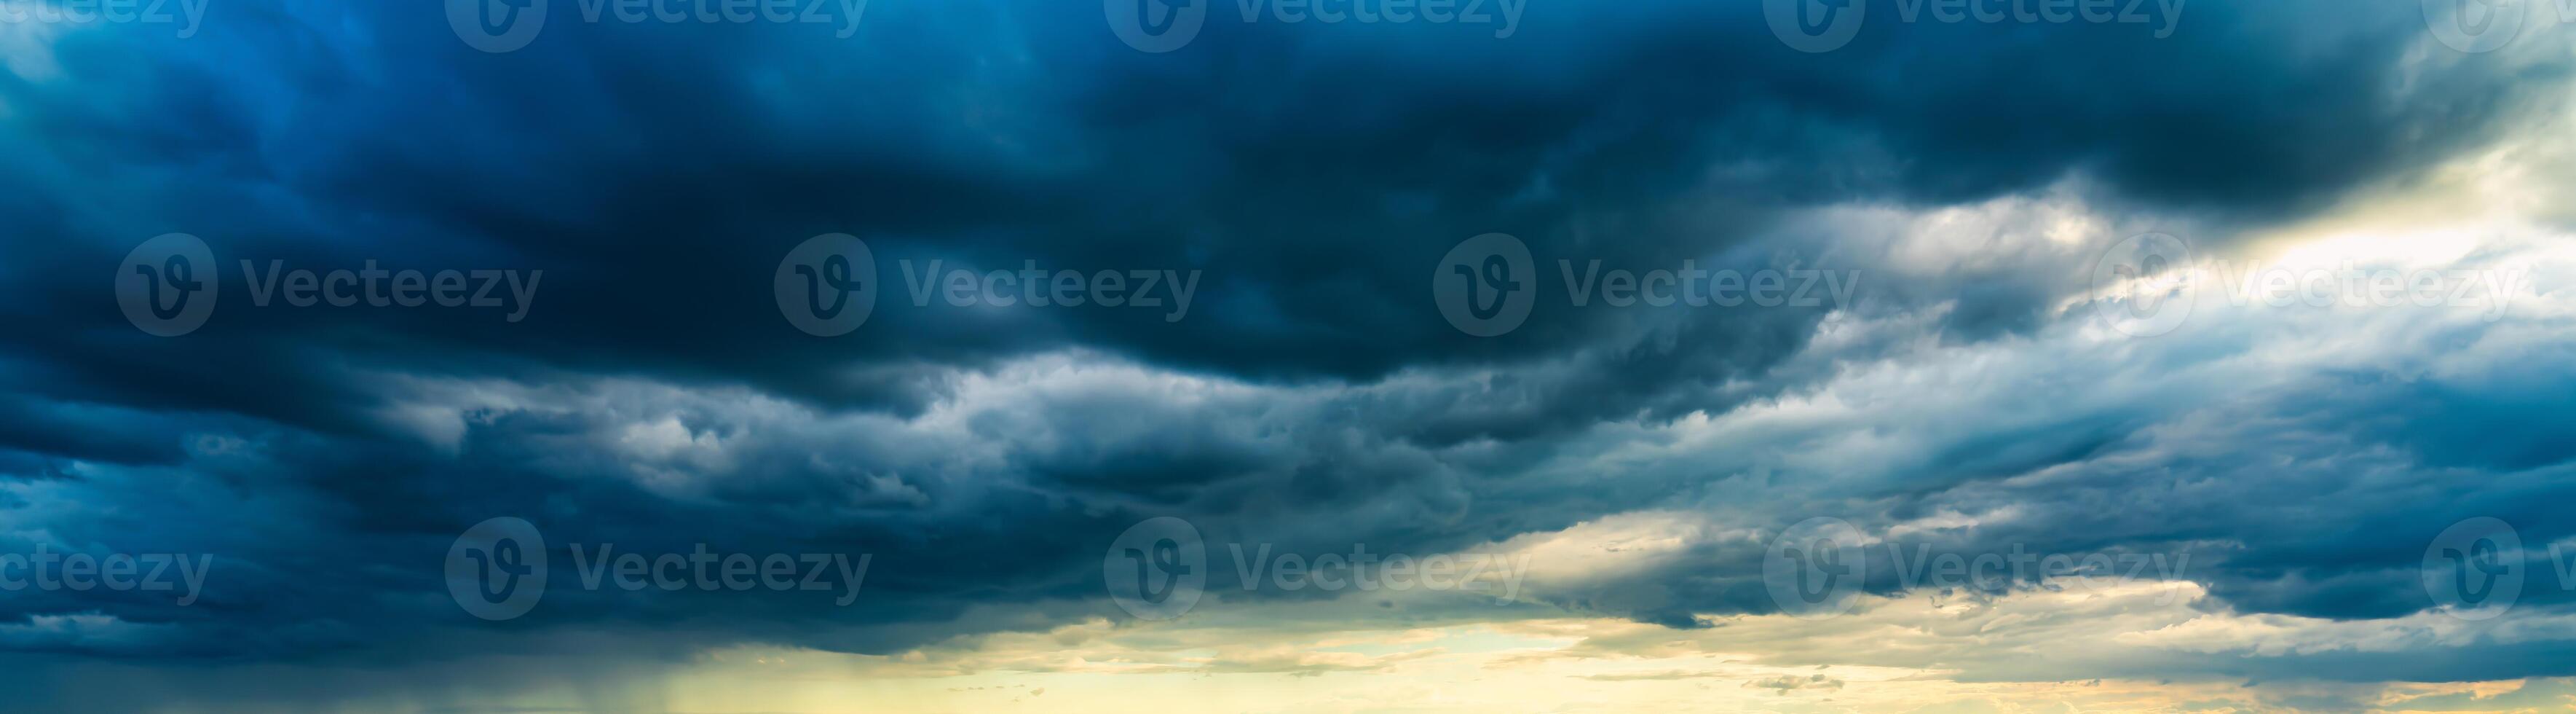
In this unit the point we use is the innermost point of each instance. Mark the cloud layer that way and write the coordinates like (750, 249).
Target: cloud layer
(1966, 397)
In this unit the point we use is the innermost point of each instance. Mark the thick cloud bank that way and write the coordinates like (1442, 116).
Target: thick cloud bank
(1961, 384)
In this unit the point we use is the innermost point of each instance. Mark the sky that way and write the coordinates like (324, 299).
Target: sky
(1287, 356)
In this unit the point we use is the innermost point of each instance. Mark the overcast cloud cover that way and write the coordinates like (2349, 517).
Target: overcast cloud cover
(2287, 475)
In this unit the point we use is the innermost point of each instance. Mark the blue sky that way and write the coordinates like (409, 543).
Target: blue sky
(1502, 355)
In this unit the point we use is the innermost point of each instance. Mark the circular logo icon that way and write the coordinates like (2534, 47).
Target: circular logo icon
(1486, 285)
(2476, 25)
(496, 26)
(497, 569)
(1815, 568)
(1156, 25)
(166, 286)
(827, 286)
(1157, 569)
(1815, 25)
(2474, 569)
(2144, 286)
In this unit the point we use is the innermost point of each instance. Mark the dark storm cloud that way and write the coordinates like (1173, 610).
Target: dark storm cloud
(656, 174)
(2290, 492)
